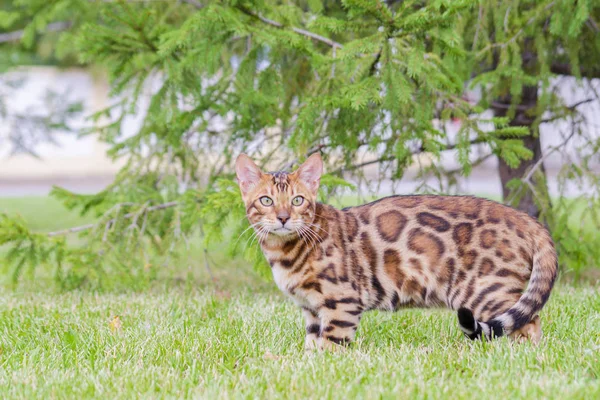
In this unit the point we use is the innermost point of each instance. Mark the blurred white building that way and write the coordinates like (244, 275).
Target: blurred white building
(81, 164)
(76, 162)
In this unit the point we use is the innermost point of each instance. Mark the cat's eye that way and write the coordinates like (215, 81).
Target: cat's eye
(298, 200)
(266, 201)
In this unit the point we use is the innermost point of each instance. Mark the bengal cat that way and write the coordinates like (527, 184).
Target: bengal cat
(465, 253)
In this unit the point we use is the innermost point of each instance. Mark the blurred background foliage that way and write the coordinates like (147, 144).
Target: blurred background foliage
(364, 82)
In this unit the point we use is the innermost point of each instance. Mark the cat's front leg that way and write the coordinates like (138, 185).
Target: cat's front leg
(313, 329)
(339, 322)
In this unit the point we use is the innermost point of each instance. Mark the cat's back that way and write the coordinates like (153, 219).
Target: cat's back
(446, 249)
(441, 214)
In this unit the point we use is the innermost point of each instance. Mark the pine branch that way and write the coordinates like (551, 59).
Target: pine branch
(592, 24)
(474, 165)
(373, 67)
(507, 106)
(479, 23)
(525, 120)
(110, 222)
(550, 150)
(519, 32)
(195, 3)
(579, 103)
(567, 69)
(52, 27)
(287, 166)
(64, 25)
(299, 31)
(572, 107)
(390, 158)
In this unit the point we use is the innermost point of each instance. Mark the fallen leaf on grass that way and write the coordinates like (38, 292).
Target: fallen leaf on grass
(270, 356)
(222, 294)
(115, 324)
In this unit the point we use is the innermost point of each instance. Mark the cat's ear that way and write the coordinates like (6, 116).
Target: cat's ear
(310, 172)
(247, 172)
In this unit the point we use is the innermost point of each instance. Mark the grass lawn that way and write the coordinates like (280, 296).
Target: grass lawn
(240, 338)
(42, 213)
(249, 345)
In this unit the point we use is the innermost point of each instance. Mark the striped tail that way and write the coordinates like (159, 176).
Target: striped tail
(474, 329)
(543, 274)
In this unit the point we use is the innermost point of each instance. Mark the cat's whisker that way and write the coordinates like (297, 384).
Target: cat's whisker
(313, 234)
(316, 226)
(309, 236)
(254, 236)
(312, 231)
(321, 229)
(245, 216)
(299, 232)
(262, 232)
(259, 223)
(263, 235)
(250, 240)
(310, 225)
(324, 217)
(306, 238)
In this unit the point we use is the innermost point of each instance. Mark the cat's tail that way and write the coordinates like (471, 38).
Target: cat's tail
(543, 274)
(474, 329)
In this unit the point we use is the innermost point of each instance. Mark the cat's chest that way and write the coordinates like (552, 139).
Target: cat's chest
(286, 268)
(290, 284)
(286, 279)
(283, 279)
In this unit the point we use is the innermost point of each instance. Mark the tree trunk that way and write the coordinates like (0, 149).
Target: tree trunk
(532, 142)
(524, 116)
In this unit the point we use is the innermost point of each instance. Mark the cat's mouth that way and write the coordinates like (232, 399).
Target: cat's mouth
(281, 231)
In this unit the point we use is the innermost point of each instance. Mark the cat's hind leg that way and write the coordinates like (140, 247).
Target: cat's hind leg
(531, 331)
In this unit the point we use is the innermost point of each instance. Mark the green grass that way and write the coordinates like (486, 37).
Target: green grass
(42, 213)
(238, 337)
(210, 345)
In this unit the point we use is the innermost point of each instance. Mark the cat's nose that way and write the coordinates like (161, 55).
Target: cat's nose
(283, 218)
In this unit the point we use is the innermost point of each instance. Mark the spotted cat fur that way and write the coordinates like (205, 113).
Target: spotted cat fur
(494, 265)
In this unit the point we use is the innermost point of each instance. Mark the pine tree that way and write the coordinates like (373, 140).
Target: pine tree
(280, 81)
(25, 130)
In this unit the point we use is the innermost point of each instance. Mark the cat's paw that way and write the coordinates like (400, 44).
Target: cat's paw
(328, 345)
(311, 344)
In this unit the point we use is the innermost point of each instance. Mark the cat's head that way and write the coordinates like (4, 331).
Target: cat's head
(280, 203)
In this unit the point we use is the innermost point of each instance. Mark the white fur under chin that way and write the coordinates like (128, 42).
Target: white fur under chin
(282, 232)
